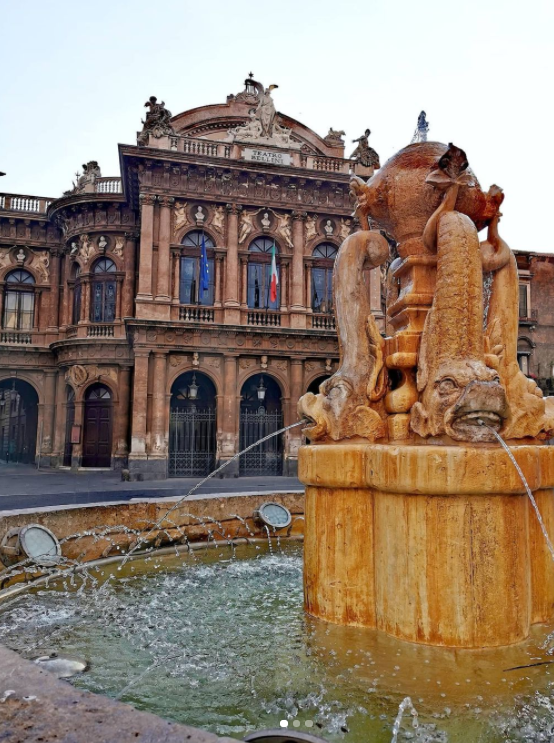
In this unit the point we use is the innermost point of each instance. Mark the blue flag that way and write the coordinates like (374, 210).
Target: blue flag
(204, 269)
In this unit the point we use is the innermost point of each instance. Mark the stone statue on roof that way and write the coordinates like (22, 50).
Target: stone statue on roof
(157, 122)
(364, 154)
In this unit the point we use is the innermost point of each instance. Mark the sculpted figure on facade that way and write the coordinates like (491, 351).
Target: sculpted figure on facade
(118, 246)
(181, 219)
(334, 138)
(284, 228)
(86, 181)
(246, 224)
(157, 122)
(41, 263)
(345, 228)
(86, 249)
(329, 229)
(311, 228)
(218, 219)
(4, 258)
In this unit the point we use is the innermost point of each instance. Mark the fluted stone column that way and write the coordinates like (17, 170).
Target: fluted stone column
(137, 457)
(54, 291)
(129, 257)
(227, 417)
(144, 293)
(164, 240)
(232, 302)
(298, 306)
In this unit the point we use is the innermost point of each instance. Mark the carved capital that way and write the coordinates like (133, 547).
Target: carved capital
(299, 215)
(147, 199)
(132, 234)
(233, 208)
(166, 201)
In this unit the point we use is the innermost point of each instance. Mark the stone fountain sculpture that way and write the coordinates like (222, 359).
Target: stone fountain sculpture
(416, 521)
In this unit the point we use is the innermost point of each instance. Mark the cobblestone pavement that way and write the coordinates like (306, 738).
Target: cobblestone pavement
(23, 486)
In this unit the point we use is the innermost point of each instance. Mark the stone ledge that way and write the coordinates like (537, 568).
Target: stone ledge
(426, 470)
(55, 711)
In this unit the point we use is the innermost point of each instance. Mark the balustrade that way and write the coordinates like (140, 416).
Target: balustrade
(323, 322)
(100, 331)
(32, 204)
(263, 318)
(194, 313)
(108, 185)
(15, 336)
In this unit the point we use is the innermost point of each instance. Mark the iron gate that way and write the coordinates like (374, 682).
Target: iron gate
(267, 458)
(192, 443)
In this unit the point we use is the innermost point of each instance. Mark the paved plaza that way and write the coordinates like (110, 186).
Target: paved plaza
(23, 486)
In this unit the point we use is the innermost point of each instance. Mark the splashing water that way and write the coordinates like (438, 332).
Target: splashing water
(506, 448)
(199, 484)
(405, 704)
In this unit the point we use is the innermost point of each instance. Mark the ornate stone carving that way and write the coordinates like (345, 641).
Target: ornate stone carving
(102, 244)
(328, 228)
(334, 138)
(284, 228)
(86, 181)
(157, 122)
(263, 362)
(41, 263)
(195, 359)
(180, 216)
(311, 228)
(246, 223)
(200, 217)
(21, 257)
(364, 154)
(345, 228)
(218, 219)
(351, 401)
(214, 362)
(86, 249)
(4, 258)
(119, 246)
(76, 375)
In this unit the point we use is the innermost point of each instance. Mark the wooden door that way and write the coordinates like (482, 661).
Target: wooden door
(97, 439)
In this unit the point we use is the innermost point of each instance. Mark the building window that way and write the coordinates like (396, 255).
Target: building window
(523, 300)
(322, 277)
(104, 291)
(76, 316)
(259, 274)
(19, 301)
(190, 291)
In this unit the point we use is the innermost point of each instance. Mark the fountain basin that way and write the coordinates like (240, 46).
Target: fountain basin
(432, 544)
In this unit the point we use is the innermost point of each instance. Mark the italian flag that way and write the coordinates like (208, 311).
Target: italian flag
(274, 280)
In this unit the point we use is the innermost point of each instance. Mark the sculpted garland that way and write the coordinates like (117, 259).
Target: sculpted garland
(428, 199)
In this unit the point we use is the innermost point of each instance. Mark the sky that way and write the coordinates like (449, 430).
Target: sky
(75, 76)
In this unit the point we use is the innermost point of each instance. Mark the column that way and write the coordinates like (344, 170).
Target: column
(293, 438)
(164, 240)
(232, 313)
(60, 418)
(298, 308)
(284, 285)
(159, 439)
(85, 300)
(217, 280)
(244, 282)
(129, 257)
(123, 415)
(144, 293)
(67, 295)
(54, 290)
(227, 417)
(118, 298)
(48, 411)
(140, 399)
(176, 299)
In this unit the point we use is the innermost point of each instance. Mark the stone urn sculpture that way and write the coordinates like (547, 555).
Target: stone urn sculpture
(417, 523)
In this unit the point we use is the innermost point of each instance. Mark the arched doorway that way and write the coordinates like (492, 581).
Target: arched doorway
(192, 426)
(261, 414)
(315, 384)
(18, 421)
(97, 438)
(69, 421)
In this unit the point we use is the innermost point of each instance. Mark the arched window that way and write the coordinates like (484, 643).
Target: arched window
(19, 301)
(77, 290)
(190, 289)
(104, 290)
(322, 277)
(259, 274)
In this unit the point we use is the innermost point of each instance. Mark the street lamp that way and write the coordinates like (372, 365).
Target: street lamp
(261, 390)
(193, 388)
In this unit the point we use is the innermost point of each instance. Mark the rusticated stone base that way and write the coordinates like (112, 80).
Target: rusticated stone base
(431, 544)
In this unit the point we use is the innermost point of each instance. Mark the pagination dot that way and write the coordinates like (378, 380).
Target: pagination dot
(284, 723)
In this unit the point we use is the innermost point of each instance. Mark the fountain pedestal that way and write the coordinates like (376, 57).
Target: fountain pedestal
(432, 544)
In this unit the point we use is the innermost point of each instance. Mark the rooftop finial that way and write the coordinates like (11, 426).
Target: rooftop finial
(420, 134)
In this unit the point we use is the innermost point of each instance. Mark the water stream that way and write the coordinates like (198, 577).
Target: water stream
(506, 448)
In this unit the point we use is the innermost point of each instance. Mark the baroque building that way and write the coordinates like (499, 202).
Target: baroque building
(139, 330)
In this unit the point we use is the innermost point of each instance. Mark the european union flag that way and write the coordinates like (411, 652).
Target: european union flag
(204, 269)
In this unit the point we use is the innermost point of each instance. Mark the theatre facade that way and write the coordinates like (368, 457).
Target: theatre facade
(115, 353)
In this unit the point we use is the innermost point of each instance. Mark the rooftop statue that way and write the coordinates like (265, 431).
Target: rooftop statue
(364, 154)
(87, 179)
(157, 122)
(422, 128)
(263, 126)
(427, 198)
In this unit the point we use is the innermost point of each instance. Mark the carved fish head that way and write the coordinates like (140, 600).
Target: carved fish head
(457, 398)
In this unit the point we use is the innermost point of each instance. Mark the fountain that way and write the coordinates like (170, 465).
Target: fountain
(417, 523)
(427, 518)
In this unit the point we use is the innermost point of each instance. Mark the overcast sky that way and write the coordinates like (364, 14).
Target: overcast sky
(75, 76)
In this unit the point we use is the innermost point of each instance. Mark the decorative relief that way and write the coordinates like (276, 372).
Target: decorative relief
(76, 375)
(41, 263)
(280, 364)
(180, 216)
(157, 122)
(118, 247)
(214, 362)
(176, 361)
(85, 250)
(263, 362)
(246, 223)
(284, 228)
(311, 228)
(195, 359)
(345, 228)
(218, 219)
(245, 363)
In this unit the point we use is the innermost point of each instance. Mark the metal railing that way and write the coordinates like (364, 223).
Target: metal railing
(194, 313)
